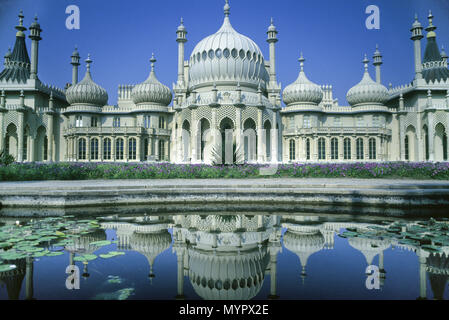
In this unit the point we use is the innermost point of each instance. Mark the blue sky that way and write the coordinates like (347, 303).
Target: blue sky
(121, 35)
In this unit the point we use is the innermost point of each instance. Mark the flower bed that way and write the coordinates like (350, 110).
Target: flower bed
(84, 171)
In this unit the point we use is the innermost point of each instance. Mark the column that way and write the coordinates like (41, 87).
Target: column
(138, 143)
(239, 133)
(274, 138)
(156, 149)
(273, 273)
(125, 148)
(2, 138)
(29, 279)
(100, 148)
(50, 136)
(113, 149)
(167, 150)
(431, 138)
(180, 282)
(31, 147)
(422, 277)
(88, 148)
(150, 144)
(260, 146)
(20, 133)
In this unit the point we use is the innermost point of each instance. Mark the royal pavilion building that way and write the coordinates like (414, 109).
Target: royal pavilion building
(225, 107)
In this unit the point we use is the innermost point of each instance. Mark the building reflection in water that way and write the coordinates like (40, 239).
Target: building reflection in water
(228, 256)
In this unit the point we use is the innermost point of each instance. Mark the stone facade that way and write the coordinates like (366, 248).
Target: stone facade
(226, 108)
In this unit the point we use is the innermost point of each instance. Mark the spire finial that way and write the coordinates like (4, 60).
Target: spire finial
(88, 62)
(365, 62)
(272, 22)
(152, 60)
(20, 28)
(301, 61)
(227, 8)
(182, 21)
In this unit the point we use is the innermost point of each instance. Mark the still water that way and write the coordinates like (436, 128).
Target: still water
(217, 256)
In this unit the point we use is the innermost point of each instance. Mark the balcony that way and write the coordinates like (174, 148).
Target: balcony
(115, 131)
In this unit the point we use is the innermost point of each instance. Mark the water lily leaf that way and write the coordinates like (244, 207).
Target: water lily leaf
(7, 267)
(59, 233)
(5, 244)
(431, 248)
(85, 257)
(54, 253)
(40, 254)
(100, 243)
(112, 254)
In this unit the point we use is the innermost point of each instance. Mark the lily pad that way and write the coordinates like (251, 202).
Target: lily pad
(85, 257)
(54, 253)
(100, 243)
(7, 267)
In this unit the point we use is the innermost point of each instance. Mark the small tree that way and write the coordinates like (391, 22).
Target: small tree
(5, 158)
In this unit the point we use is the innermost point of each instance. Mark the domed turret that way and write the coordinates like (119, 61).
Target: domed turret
(225, 58)
(87, 91)
(302, 90)
(367, 91)
(151, 91)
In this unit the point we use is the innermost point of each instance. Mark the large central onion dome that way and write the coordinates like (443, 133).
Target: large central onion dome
(302, 90)
(227, 57)
(151, 91)
(87, 91)
(367, 91)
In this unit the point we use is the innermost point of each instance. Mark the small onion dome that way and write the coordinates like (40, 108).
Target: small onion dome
(35, 24)
(8, 54)
(302, 90)
(181, 26)
(443, 53)
(416, 23)
(367, 90)
(75, 53)
(151, 90)
(87, 91)
(272, 28)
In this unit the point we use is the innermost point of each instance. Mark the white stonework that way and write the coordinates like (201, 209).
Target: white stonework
(226, 109)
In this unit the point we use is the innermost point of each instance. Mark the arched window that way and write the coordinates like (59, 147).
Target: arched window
(162, 150)
(359, 148)
(444, 146)
(347, 149)
(107, 149)
(426, 141)
(25, 146)
(334, 148)
(132, 148)
(372, 148)
(161, 122)
(145, 148)
(406, 148)
(119, 149)
(321, 149)
(45, 152)
(307, 149)
(81, 149)
(94, 149)
(7, 143)
(292, 149)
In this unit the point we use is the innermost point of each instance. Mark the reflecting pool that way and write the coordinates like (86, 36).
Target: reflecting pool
(222, 256)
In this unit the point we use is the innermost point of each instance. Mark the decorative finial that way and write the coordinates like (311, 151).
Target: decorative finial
(21, 16)
(152, 60)
(227, 8)
(20, 27)
(365, 62)
(88, 62)
(182, 21)
(416, 17)
(301, 62)
(272, 23)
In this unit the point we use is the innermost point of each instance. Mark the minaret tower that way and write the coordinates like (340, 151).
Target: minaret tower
(181, 86)
(377, 62)
(273, 87)
(75, 64)
(35, 36)
(416, 38)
